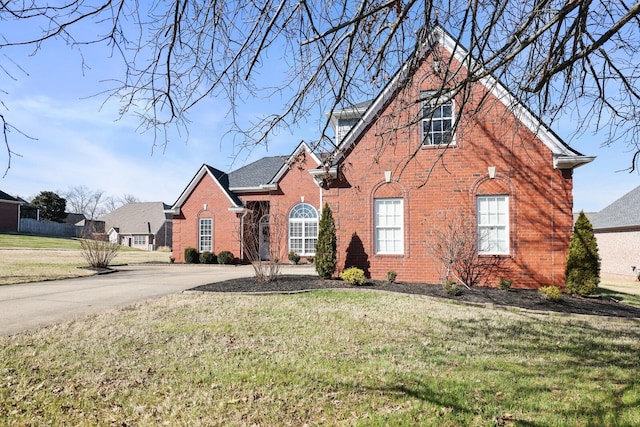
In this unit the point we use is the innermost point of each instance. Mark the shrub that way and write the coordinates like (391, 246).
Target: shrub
(310, 259)
(293, 257)
(191, 256)
(391, 276)
(583, 263)
(326, 245)
(207, 257)
(225, 257)
(353, 276)
(505, 284)
(451, 287)
(171, 259)
(552, 293)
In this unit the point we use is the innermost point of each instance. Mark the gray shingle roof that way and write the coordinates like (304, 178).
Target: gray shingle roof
(257, 173)
(132, 218)
(624, 212)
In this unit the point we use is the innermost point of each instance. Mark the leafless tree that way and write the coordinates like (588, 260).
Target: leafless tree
(264, 236)
(81, 199)
(559, 57)
(97, 250)
(455, 246)
(113, 203)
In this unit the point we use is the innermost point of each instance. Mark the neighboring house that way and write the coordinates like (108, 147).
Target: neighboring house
(9, 213)
(139, 225)
(405, 168)
(617, 230)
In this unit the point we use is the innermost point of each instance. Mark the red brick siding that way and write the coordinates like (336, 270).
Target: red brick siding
(295, 186)
(225, 223)
(540, 197)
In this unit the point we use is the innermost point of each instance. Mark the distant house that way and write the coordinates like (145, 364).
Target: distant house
(402, 170)
(617, 229)
(9, 213)
(140, 225)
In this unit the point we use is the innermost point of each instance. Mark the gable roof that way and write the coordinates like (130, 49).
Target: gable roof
(220, 178)
(564, 156)
(137, 218)
(261, 175)
(622, 213)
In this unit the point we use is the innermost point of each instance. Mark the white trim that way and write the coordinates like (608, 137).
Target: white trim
(204, 170)
(492, 226)
(285, 167)
(438, 35)
(376, 227)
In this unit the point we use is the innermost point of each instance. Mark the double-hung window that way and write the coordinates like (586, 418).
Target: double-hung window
(493, 225)
(205, 235)
(139, 240)
(389, 230)
(437, 119)
(303, 229)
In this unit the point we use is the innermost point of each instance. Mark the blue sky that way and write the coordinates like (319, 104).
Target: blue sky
(80, 141)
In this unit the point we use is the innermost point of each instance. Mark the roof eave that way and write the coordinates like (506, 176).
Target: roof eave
(571, 162)
(258, 189)
(323, 174)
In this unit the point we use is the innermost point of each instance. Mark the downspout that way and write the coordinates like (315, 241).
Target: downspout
(18, 229)
(242, 234)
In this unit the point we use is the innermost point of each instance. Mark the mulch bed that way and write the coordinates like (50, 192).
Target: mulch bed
(520, 298)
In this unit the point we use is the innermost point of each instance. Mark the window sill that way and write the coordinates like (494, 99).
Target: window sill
(438, 146)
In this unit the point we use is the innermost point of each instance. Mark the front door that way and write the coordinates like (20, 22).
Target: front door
(264, 238)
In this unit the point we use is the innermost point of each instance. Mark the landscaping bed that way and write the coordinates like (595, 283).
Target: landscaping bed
(518, 298)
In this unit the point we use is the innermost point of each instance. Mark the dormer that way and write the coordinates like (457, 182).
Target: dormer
(344, 119)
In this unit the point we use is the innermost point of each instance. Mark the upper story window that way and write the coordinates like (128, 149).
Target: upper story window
(437, 119)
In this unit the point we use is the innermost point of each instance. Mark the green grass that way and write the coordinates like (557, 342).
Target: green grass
(322, 358)
(620, 296)
(26, 241)
(27, 258)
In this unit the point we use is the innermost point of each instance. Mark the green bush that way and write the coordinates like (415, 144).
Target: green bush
(552, 293)
(326, 246)
(583, 263)
(391, 276)
(207, 257)
(353, 276)
(293, 257)
(505, 284)
(191, 256)
(225, 257)
(451, 287)
(310, 259)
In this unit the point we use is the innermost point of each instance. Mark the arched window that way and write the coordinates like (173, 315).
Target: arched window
(303, 229)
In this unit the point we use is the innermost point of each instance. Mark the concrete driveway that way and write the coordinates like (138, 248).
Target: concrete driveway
(27, 306)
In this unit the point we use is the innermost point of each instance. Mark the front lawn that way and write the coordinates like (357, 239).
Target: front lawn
(322, 358)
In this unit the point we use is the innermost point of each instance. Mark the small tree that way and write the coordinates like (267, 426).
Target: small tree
(262, 229)
(51, 206)
(326, 246)
(583, 263)
(98, 250)
(455, 245)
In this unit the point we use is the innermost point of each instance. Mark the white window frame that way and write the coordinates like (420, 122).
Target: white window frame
(205, 235)
(388, 226)
(493, 224)
(139, 240)
(434, 112)
(303, 229)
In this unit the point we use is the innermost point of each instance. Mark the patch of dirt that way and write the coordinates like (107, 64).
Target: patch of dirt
(520, 298)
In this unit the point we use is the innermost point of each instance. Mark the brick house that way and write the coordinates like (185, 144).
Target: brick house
(406, 164)
(617, 230)
(9, 213)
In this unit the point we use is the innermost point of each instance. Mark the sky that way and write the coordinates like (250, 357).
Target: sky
(76, 138)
